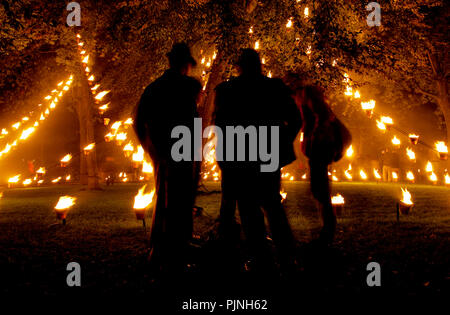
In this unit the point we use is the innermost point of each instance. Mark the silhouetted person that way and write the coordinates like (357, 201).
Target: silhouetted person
(170, 101)
(253, 99)
(324, 140)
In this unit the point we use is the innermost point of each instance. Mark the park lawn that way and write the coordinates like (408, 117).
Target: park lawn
(104, 237)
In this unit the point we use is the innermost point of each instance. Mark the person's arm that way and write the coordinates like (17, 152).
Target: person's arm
(141, 125)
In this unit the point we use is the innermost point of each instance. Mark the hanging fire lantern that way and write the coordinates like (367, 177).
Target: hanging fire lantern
(65, 160)
(63, 206)
(442, 149)
(142, 202)
(413, 138)
(406, 203)
(87, 149)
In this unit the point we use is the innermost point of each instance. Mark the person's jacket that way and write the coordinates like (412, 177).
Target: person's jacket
(258, 101)
(168, 102)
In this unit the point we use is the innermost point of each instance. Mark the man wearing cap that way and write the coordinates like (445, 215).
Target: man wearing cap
(170, 101)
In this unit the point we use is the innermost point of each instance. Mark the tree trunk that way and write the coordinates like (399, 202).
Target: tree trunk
(207, 107)
(85, 106)
(444, 104)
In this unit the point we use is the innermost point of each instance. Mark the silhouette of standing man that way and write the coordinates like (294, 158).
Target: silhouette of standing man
(170, 101)
(253, 99)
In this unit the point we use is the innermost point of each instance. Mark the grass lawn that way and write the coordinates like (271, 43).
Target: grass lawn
(104, 237)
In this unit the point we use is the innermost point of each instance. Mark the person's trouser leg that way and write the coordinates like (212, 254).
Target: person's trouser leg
(276, 216)
(320, 188)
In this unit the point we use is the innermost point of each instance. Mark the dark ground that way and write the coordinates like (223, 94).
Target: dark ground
(104, 237)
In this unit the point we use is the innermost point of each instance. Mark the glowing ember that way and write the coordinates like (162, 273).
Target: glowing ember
(65, 202)
(142, 200)
(337, 200)
(406, 197)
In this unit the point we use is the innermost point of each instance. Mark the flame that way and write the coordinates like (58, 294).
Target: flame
(141, 200)
(362, 174)
(348, 91)
(103, 108)
(306, 12)
(395, 141)
(283, 195)
(256, 45)
(65, 202)
(14, 179)
(27, 182)
(357, 95)
(129, 121)
(67, 158)
(394, 175)
(86, 59)
(26, 133)
(433, 177)
(410, 153)
(349, 151)
(139, 155)
(337, 200)
(128, 147)
(68, 178)
(429, 167)
(100, 95)
(121, 136)
(441, 147)
(91, 78)
(304, 176)
(4, 131)
(370, 105)
(89, 147)
(16, 125)
(381, 126)
(376, 174)
(447, 179)
(406, 197)
(413, 136)
(56, 180)
(334, 178)
(387, 120)
(41, 170)
(410, 176)
(116, 125)
(289, 23)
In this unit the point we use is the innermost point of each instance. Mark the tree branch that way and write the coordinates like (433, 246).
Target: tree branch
(433, 95)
